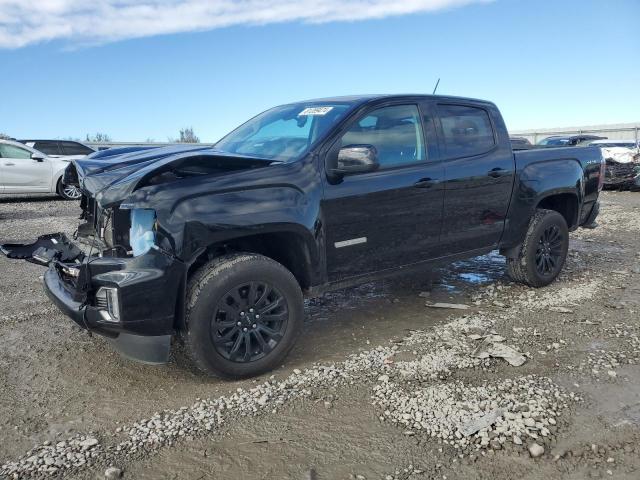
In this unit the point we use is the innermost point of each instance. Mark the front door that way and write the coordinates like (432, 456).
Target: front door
(391, 217)
(22, 174)
(479, 175)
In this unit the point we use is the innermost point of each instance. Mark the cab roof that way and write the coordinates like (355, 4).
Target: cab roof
(371, 98)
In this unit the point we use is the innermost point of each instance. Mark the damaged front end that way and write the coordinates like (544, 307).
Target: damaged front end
(47, 248)
(113, 280)
(622, 168)
(124, 273)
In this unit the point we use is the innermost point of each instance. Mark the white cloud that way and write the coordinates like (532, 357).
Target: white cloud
(24, 22)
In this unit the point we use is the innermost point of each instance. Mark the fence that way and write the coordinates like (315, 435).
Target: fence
(625, 131)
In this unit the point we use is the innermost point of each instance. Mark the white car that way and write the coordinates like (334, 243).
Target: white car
(26, 170)
(615, 143)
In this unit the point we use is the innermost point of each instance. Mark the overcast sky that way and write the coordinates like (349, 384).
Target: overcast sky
(144, 69)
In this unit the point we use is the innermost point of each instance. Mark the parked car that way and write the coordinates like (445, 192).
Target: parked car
(24, 169)
(60, 148)
(632, 144)
(520, 143)
(622, 159)
(216, 246)
(568, 140)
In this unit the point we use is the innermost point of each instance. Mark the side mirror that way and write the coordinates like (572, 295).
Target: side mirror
(357, 159)
(38, 157)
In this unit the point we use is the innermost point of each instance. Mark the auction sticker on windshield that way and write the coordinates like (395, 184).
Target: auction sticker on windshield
(315, 111)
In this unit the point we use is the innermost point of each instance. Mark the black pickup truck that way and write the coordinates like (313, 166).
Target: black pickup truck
(216, 246)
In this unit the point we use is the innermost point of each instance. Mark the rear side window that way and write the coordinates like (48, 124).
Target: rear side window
(11, 151)
(467, 130)
(48, 148)
(74, 148)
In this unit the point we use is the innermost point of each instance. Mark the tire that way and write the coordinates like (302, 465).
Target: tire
(222, 294)
(68, 192)
(543, 252)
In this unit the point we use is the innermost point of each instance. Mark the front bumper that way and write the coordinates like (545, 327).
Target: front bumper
(151, 349)
(149, 289)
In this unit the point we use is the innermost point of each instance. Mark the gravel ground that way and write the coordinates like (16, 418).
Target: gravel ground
(523, 383)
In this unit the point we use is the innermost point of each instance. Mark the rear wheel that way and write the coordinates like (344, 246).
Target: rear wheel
(244, 314)
(543, 251)
(68, 192)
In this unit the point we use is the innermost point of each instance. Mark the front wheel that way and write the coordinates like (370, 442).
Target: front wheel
(543, 251)
(68, 192)
(244, 314)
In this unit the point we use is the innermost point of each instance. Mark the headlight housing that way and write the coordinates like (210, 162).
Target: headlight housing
(142, 234)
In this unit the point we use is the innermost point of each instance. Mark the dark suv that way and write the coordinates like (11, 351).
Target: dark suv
(568, 140)
(59, 148)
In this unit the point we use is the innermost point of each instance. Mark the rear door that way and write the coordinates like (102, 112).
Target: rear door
(22, 174)
(391, 217)
(479, 173)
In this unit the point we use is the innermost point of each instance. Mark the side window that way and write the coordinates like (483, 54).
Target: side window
(395, 132)
(48, 148)
(74, 148)
(467, 130)
(11, 151)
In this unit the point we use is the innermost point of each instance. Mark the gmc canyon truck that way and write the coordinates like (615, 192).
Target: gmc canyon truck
(216, 246)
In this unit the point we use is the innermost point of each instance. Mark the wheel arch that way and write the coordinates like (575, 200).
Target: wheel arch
(57, 177)
(57, 182)
(288, 247)
(565, 203)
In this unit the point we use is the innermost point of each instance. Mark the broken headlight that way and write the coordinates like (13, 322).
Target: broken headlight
(142, 234)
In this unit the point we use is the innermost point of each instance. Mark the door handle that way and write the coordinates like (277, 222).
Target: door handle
(425, 183)
(497, 172)
(9, 164)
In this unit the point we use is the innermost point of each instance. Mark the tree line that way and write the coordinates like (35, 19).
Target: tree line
(186, 135)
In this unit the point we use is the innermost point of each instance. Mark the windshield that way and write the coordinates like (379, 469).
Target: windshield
(283, 133)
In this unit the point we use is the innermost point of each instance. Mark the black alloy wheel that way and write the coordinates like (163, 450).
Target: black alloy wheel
(543, 251)
(549, 251)
(244, 314)
(249, 322)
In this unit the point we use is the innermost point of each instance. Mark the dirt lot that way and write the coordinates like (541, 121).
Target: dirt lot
(380, 385)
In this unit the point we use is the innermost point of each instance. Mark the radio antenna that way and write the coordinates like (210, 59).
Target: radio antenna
(436, 87)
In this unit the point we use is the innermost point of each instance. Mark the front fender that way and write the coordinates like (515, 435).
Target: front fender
(197, 212)
(198, 221)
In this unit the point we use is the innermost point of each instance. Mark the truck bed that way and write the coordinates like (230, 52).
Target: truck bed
(583, 155)
(556, 162)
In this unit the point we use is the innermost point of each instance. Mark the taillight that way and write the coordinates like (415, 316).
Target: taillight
(603, 167)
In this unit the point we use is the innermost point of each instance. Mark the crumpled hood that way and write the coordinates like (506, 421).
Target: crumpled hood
(95, 174)
(112, 179)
